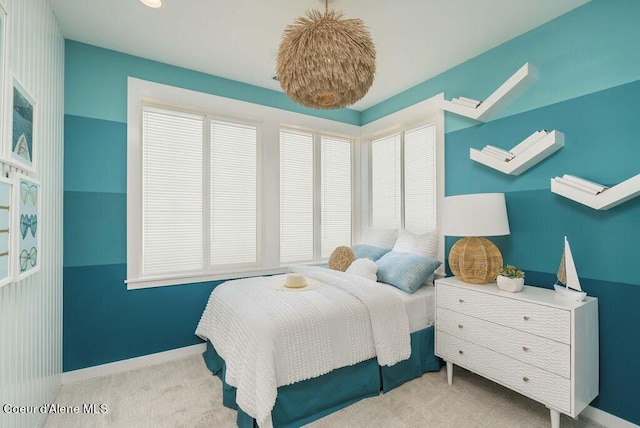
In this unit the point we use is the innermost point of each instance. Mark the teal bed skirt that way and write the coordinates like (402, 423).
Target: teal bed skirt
(306, 401)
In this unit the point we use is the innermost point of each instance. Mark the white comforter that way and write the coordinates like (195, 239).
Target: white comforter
(270, 338)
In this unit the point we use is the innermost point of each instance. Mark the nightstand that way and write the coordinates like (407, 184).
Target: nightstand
(534, 342)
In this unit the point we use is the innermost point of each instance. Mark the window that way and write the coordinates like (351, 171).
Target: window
(335, 194)
(203, 177)
(296, 196)
(315, 195)
(403, 180)
(199, 199)
(385, 182)
(172, 214)
(233, 203)
(420, 179)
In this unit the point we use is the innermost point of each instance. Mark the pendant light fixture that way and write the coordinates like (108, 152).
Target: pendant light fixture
(325, 61)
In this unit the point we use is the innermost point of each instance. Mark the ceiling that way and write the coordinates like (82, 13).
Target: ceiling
(238, 39)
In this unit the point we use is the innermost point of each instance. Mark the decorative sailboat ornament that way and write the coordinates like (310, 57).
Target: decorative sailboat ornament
(568, 284)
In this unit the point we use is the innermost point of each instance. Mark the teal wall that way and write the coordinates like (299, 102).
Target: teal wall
(103, 322)
(588, 88)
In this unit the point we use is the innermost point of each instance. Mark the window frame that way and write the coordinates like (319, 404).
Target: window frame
(401, 133)
(208, 270)
(271, 119)
(418, 115)
(317, 137)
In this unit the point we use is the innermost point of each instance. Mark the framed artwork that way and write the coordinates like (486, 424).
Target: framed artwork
(6, 231)
(23, 120)
(26, 216)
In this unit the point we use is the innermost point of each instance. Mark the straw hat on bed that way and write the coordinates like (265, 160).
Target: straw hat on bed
(295, 282)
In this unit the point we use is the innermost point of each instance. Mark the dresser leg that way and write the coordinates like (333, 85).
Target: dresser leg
(555, 418)
(449, 372)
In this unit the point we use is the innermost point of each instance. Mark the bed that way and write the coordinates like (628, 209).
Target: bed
(287, 358)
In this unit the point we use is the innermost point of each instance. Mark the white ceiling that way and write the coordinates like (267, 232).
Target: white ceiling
(238, 39)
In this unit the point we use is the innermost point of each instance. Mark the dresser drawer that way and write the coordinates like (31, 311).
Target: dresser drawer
(548, 388)
(546, 321)
(535, 350)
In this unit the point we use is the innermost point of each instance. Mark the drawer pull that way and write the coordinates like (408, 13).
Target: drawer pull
(460, 352)
(459, 325)
(525, 348)
(461, 300)
(526, 379)
(526, 317)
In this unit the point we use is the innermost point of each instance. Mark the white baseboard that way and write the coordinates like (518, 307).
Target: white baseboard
(131, 364)
(607, 419)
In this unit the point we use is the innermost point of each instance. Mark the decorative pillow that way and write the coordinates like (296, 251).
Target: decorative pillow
(405, 271)
(341, 258)
(367, 251)
(384, 238)
(364, 267)
(424, 245)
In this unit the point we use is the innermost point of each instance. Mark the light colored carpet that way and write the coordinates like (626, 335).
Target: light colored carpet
(183, 393)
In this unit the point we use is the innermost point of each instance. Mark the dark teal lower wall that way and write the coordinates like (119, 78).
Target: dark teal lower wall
(104, 322)
(95, 228)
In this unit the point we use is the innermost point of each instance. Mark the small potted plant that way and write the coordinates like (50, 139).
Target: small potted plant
(510, 278)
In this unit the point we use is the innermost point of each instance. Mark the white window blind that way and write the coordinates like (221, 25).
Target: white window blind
(403, 180)
(200, 202)
(385, 182)
(335, 190)
(296, 196)
(303, 175)
(233, 205)
(172, 226)
(420, 179)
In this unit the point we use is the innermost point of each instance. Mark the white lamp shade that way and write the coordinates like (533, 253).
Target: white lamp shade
(480, 214)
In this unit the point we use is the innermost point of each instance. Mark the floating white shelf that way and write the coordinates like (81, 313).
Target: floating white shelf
(514, 86)
(541, 149)
(610, 198)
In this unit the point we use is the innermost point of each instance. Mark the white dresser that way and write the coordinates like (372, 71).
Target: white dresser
(535, 342)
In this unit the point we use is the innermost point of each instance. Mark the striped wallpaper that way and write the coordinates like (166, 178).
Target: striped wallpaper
(31, 310)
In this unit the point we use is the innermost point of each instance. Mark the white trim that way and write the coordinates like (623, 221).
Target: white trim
(606, 419)
(177, 279)
(163, 281)
(270, 119)
(424, 112)
(132, 363)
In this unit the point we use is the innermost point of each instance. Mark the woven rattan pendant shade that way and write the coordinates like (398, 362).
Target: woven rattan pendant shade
(325, 61)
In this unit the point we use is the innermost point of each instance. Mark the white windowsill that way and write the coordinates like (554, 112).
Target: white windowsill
(168, 280)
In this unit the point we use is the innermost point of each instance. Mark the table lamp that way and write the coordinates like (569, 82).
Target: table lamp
(474, 258)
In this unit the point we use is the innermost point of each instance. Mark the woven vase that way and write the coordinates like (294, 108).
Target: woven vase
(475, 260)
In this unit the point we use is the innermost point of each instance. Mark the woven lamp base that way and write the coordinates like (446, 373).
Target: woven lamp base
(475, 260)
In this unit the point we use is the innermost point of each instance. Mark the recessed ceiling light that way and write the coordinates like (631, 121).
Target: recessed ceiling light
(152, 3)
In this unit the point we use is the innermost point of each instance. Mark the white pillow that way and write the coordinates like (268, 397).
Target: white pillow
(365, 268)
(423, 245)
(384, 238)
